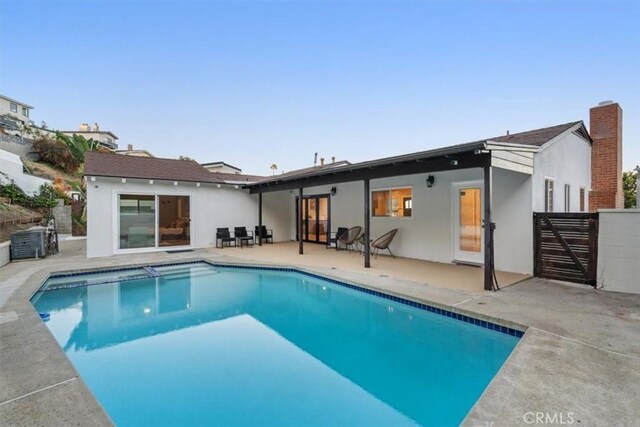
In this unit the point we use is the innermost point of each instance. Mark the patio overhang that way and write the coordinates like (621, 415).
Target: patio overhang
(465, 156)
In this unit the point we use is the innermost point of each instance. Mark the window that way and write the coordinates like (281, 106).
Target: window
(582, 200)
(395, 202)
(567, 198)
(25, 111)
(14, 107)
(548, 195)
(137, 221)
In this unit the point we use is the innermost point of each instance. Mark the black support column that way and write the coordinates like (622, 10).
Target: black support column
(300, 213)
(488, 241)
(259, 219)
(367, 247)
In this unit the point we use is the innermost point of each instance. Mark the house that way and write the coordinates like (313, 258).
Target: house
(131, 152)
(106, 138)
(439, 199)
(18, 111)
(221, 167)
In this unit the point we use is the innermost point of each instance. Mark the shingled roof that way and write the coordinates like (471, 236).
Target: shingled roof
(119, 166)
(537, 137)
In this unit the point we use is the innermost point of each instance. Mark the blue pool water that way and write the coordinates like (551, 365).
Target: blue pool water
(205, 345)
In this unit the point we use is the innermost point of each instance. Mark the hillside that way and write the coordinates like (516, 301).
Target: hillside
(15, 218)
(45, 170)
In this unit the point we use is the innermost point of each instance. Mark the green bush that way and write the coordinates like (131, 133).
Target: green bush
(44, 199)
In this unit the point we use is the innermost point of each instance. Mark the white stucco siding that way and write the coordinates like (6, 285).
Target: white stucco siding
(428, 234)
(512, 214)
(566, 161)
(211, 207)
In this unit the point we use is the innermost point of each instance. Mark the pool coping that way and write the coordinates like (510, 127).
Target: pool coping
(466, 316)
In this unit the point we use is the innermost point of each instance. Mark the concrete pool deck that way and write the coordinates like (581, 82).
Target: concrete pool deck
(578, 360)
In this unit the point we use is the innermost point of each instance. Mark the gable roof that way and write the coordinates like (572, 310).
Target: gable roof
(119, 166)
(539, 137)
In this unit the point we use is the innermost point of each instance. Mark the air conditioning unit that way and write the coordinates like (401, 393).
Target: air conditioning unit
(29, 244)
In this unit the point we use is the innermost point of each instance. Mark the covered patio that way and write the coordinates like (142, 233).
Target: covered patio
(452, 276)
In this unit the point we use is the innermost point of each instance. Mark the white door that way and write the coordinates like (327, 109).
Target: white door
(468, 233)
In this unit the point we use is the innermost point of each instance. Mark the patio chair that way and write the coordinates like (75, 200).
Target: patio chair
(266, 234)
(243, 236)
(349, 239)
(224, 236)
(333, 237)
(383, 242)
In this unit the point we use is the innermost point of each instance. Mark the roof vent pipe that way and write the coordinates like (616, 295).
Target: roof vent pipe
(321, 161)
(333, 159)
(315, 159)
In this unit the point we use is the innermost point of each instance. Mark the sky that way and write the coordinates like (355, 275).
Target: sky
(258, 83)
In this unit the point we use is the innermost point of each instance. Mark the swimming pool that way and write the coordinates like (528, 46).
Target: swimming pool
(199, 344)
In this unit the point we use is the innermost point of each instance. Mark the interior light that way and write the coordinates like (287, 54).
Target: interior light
(146, 310)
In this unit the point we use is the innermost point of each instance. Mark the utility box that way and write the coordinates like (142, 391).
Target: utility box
(29, 244)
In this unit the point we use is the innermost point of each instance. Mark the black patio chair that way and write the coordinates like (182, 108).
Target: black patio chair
(383, 242)
(350, 238)
(243, 236)
(333, 237)
(224, 236)
(266, 234)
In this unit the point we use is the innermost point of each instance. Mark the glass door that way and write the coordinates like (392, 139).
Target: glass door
(468, 231)
(315, 218)
(174, 221)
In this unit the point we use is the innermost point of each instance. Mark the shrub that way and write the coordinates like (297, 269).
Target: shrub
(55, 153)
(46, 198)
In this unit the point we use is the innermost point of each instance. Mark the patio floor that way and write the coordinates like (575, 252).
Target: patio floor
(452, 276)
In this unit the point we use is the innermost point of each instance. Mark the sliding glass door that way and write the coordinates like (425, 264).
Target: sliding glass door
(150, 221)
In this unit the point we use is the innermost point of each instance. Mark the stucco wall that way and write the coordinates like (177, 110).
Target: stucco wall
(619, 250)
(11, 165)
(428, 233)
(566, 161)
(211, 207)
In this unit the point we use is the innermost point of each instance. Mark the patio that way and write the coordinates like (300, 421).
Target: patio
(452, 276)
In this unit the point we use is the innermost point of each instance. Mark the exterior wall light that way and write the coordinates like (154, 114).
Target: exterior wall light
(430, 180)
(334, 190)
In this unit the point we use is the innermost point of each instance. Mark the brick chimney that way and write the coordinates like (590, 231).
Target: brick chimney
(605, 123)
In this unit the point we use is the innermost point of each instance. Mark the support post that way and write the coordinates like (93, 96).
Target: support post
(367, 247)
(300, 213)
(488, 241)
(259, 219)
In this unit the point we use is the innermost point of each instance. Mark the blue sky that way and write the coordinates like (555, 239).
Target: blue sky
(256, 83)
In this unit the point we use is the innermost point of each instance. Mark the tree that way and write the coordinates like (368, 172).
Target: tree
(274, 168)
(78, 145)
(629, 188)
(186, 158)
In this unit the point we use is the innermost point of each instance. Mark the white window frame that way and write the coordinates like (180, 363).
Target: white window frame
(548, 202)
(155, 248)
(389, 189)
(13, 107)
(25, 111)
(567, 197)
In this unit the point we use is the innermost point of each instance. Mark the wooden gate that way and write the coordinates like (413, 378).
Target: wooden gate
(565, 246)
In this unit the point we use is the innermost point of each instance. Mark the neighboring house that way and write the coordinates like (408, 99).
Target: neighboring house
(17, 110)
(131, 152)
(221, 167)
(12, 169)
(437, 199)
(105, 138)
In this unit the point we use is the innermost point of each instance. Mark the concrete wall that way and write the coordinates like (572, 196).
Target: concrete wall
(5, 253)
(566, 161)
(428, 234)
(211, 207)
(62, 215)
(619, 250)
(16, 145)
(11, 165)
